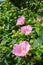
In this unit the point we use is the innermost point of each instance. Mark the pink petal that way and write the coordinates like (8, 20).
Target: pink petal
(16, 49)
(39, 19)
(20, 21)
(21, 49)
(26, 29)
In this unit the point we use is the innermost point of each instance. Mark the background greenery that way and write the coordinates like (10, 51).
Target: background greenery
(9, 32)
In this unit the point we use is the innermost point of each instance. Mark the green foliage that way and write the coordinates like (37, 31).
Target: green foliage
(9, 32)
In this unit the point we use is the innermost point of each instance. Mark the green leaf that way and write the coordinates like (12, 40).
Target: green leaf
(37, 42)
(3, 62)
(4, 41)
(7, 27)
(13, 41)
(41, 33)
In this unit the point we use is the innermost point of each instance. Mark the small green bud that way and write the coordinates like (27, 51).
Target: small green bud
(9, 2)
(25, 9)
(10, 14)
(26, 2)
(18, 16)
(37, 57)
(42, 24)
(12, 36)
(29, 54)
(31, 41)
(13, 31)
(19, 30)
(10, 46)
(16, 35)
(4, 48)
(15, 17)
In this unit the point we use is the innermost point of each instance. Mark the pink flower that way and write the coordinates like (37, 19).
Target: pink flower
(26, 29)
(39, 19)
(21, 49)
(20, 20)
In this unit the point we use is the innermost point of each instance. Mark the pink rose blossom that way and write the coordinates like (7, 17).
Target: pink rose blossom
(26, 29)
(20, 20)
(38, 19)
(21, 49)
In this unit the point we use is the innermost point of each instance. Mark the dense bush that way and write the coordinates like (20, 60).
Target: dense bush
(31, 4)
(9, 32)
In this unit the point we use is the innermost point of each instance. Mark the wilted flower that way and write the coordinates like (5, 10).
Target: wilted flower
(26, 29)
(39, 19)
(20, 21)
(21, 49)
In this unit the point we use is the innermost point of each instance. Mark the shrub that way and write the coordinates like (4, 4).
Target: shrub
(10, 33)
